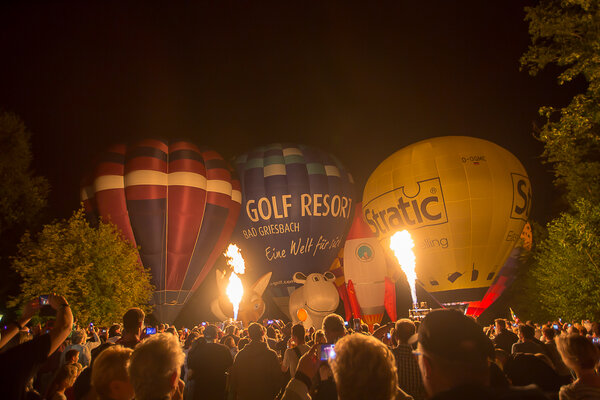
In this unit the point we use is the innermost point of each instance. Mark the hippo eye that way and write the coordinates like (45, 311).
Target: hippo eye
(256, 306)
(316, 278)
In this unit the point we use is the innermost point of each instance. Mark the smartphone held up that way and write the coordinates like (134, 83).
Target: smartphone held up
(327, 352)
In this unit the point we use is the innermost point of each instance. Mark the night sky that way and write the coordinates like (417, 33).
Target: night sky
(360, 81)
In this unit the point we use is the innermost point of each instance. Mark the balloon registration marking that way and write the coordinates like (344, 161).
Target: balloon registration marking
(235, 289)
(402, 244)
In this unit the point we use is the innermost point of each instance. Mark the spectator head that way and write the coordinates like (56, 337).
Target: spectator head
(549, 333)
(573, 330)
(133, 320)
(320, 337)
(172, 331)
(210, 333)
(500, 325)
(189, 341)
(271, 332)
(71, 356)
(229, 342)
(298, 333)
(404, 330)
(114, 330)
(109, 375)
(577, 352)
(364, 368)
(333, 325)
(78, 336)
(230, 330)
(155, 367)
(256, 332)
(453, 351)
(64, 379)
(526, 332)
(595, 330)
(523, 369)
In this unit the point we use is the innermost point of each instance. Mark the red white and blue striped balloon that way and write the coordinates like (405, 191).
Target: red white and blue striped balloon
(297, 205)
(179, 203)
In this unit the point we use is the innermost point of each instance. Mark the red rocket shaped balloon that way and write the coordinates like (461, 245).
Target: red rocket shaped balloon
(371, 292)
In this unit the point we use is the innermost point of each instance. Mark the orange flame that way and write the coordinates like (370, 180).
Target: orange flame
(402, 244)
(235, 289)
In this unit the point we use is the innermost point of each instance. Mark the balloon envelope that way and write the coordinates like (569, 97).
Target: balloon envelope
(464, 201)
(297, 202)
(177, 202)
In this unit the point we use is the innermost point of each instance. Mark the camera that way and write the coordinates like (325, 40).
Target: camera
(555, 326)
(596, 340)
(44, 300)
(327, 352)
(389, 335)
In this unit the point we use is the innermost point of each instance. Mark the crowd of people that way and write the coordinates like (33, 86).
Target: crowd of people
(447, 355)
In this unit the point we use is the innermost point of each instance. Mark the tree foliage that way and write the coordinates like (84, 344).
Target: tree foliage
(22, 195)
(567, 273)
(94, 268)
(567, 34)
(563, 277)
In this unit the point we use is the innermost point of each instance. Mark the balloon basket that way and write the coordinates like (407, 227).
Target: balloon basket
(419, 311)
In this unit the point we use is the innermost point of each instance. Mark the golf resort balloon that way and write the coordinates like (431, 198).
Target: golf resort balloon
(297, 203)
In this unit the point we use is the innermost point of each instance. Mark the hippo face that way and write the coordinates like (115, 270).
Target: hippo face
(320, 293)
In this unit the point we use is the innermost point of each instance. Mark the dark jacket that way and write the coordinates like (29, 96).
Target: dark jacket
(256, 373)
(505, 340)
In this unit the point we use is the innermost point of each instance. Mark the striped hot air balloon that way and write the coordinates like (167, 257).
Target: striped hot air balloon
(298, 202)
(179, 203)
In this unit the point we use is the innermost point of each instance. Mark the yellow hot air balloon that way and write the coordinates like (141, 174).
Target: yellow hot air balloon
(464, 201)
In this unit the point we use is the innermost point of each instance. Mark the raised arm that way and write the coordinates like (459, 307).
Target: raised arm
(63, 324)
(12, 328)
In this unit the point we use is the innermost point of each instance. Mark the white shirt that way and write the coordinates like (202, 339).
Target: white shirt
(290, 359)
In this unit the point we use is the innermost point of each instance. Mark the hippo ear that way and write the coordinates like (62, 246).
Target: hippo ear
(299, 277)
(329, 276)
(261, 284)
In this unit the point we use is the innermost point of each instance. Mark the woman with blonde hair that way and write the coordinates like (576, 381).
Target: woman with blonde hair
(64, 379)
(579, 354)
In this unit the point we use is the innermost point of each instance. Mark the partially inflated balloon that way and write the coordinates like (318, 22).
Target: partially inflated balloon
(177, 202)
(505, 277)
(464, 201)
(297, 203)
